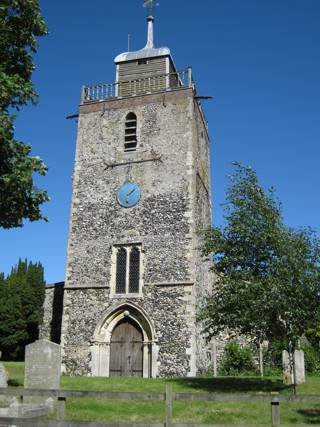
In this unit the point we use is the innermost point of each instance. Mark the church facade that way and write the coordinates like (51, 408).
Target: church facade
(141, 193)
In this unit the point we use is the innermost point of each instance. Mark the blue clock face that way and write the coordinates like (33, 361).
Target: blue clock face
(129, 194)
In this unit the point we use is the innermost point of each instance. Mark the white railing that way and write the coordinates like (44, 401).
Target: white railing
(150, 84)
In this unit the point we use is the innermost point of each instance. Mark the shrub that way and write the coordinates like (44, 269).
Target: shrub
(272, 359)
(237, 360)
(312, 359)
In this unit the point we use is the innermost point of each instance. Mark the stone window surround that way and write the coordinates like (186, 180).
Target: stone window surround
(128, 247)
(100, 345)
(130, 139)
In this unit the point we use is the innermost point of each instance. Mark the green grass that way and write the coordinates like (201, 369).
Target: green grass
(183, 412)
(16, 373)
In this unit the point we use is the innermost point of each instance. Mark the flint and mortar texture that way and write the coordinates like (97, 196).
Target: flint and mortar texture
(50, 328)
(174, 178)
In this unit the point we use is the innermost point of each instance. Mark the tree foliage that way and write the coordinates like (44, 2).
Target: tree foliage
(21, 307)
(313, 331)
(20, 23)
(268, 275)
(237, 360)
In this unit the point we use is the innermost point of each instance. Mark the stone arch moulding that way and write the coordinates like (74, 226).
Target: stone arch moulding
(100, 347)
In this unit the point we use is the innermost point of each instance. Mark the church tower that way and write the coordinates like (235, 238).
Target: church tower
(141, 192)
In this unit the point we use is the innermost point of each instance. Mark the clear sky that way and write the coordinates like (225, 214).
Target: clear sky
(259, 59)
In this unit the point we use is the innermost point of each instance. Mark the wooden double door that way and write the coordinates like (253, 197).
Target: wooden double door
(126, 350)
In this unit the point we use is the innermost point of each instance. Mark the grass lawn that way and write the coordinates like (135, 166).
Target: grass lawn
(183, 412)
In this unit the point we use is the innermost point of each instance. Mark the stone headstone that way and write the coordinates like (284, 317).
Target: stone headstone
(3, 376)
(299, 367)
(42, 368)
(286, 369)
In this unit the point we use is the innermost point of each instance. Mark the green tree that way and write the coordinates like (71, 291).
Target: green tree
(267, 274)
(34, 299)
(12, 325)
(21, 308)
(20, 23)
(313, 331)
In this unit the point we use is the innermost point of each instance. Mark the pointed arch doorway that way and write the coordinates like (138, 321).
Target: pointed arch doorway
(124, 344)
(126, 350)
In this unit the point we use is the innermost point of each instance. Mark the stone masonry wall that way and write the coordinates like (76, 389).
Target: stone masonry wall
(202, 216)
(84, 309)
(163, 222)
(50, 328)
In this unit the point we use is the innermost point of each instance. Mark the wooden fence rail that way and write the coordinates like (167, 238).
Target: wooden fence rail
(168, 397)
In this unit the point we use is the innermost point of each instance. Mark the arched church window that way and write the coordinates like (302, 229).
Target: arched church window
(134, 270)
(121, 271)
(130, 139)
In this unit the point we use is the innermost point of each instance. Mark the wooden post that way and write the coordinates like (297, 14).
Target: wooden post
(214, 358)
(261, 359)
(83, 94)
(168, 405)
(61, 408)
(190, 76)
(275, 412)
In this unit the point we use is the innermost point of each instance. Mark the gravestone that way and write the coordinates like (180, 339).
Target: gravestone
(299, 367)
(42, 369)
(3, 376)
(287, 378)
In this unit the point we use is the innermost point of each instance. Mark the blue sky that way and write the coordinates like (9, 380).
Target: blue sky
(260, 61)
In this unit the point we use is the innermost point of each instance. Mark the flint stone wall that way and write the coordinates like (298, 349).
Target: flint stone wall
(84, 308)
(174, 146)
(50, 328)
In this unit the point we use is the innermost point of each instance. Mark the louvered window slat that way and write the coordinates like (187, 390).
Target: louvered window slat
(130, 132)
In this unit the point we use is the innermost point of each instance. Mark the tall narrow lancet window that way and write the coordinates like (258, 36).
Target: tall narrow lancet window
(130, 139)
(126, 277)
(121, 271)
(134, 270)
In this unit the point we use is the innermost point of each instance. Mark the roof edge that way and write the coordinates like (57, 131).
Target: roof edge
(142, 54)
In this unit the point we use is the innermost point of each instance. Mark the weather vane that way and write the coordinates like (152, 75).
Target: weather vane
(149, 4)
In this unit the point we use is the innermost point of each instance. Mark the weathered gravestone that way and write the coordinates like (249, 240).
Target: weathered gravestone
(299, 368)
(3, 376)
(42, 369)
(286, 368)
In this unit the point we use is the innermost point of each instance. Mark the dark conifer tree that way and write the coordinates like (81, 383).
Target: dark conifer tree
(21, 300)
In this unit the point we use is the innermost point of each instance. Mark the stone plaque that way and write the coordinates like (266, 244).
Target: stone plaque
(3, 376)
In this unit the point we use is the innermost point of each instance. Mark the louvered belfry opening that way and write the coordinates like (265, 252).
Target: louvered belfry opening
(130, 133)
(121, 271)
(134, 271)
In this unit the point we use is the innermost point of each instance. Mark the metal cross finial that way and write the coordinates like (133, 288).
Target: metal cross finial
(149, 4)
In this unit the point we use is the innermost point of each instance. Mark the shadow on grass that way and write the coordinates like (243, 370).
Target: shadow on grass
(312, 416)
(12, 382)
(232, 384)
